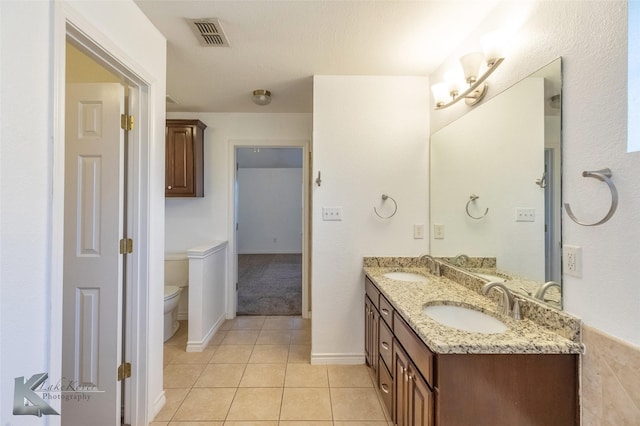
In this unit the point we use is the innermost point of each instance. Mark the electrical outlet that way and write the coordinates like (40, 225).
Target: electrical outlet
(572, 260)
(525, 215)
(438, 232)
(332, 213)
(418, 231)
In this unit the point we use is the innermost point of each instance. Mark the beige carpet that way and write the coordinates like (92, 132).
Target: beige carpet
(269, 284)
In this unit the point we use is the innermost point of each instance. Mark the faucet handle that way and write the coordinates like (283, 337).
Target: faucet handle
(515, 312)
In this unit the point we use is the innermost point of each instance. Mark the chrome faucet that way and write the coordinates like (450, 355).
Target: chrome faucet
(508, 304)
(460, 259)
(434, 267)
(544, 287)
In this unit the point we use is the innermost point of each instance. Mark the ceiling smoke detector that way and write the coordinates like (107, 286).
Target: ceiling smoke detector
(209, 32)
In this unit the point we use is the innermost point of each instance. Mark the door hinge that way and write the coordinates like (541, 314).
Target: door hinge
(126, 122)
(126, 246)
(124, 371)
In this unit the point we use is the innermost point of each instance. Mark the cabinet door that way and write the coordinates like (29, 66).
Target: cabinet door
(184, 158)
(371, 334)
(420, 400)
(401, 385)
(179, 165)
(413, 398)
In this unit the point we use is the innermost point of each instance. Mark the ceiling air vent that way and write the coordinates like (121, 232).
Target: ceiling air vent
(209, 32)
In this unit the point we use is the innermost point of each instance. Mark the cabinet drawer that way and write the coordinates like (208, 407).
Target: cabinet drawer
(385, 383)
(419, 353)
(385, 348)
(386, 311)
(372, 291)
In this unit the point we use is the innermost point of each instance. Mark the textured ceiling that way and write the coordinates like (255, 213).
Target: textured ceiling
(280, 45)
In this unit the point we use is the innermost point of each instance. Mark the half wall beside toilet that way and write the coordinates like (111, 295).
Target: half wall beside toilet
(207, 293)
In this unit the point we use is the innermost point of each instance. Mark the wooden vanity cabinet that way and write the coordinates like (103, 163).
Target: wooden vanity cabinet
(421, 388)
(184, 158)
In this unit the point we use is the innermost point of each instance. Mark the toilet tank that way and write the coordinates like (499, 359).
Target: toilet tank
(176, 269)
(176, 272)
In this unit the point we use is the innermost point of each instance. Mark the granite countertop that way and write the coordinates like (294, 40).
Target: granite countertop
(409, 298)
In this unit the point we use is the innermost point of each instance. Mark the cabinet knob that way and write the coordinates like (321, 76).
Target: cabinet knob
(169, 187)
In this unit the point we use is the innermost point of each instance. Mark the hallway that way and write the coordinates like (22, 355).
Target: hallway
(269, 284)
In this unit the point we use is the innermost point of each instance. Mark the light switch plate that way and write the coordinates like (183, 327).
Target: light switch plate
(418, 231)
(525, 215)
(438, 232)
(332, 213)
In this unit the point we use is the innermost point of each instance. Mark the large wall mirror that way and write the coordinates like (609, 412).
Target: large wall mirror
(495, 187)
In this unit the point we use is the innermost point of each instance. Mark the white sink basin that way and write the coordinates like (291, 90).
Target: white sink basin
(466, 319)
(406, 276)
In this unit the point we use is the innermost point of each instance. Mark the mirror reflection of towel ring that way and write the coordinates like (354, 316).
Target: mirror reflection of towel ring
(474, 197)
(603, 175)
(395, 207)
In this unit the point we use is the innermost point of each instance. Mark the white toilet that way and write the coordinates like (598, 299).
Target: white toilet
(171, 299)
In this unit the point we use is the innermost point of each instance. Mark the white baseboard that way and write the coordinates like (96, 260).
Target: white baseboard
(199, 346)
(337, 359)
(158, 404)
(183, 316)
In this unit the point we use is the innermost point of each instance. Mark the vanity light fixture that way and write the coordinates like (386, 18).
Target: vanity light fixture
(449, 92)
(261, 97)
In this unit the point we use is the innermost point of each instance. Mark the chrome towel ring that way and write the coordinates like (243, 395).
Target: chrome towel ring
(395, 207)
(472, 198)
(603, 175)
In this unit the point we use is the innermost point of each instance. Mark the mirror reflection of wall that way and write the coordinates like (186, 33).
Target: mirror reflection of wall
(507, 152)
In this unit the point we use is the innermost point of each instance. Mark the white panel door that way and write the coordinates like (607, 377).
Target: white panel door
(93, 226)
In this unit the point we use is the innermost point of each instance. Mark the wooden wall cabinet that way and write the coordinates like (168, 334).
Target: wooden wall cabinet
(184, 158)
(421, 388)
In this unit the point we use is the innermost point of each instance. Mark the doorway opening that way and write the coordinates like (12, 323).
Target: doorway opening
(269, 244)
(270, 237)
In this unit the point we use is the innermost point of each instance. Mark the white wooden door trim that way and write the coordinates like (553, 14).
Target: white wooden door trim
(143, 87)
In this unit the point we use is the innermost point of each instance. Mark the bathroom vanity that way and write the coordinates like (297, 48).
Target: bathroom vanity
(432, 374)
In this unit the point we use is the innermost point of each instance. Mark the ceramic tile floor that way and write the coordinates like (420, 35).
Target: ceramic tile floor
(256, 372)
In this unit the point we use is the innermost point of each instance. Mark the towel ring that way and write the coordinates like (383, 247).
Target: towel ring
(474, 197)
(395, 207)
(603, 175)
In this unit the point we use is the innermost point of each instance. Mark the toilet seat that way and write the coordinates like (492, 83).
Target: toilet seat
(170, 291)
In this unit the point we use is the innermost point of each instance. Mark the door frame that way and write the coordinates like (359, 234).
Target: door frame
(234, 144)
(69, 24)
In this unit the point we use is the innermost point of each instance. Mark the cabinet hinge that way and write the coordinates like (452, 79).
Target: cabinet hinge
(126, 122)
(124, 371)
(126, 246)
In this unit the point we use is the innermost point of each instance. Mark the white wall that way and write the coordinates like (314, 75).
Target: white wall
(27, 137)
(499, 165)
(25, 173)
(269, 210)
(594, 126)
(194, 221)
(370, 137)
